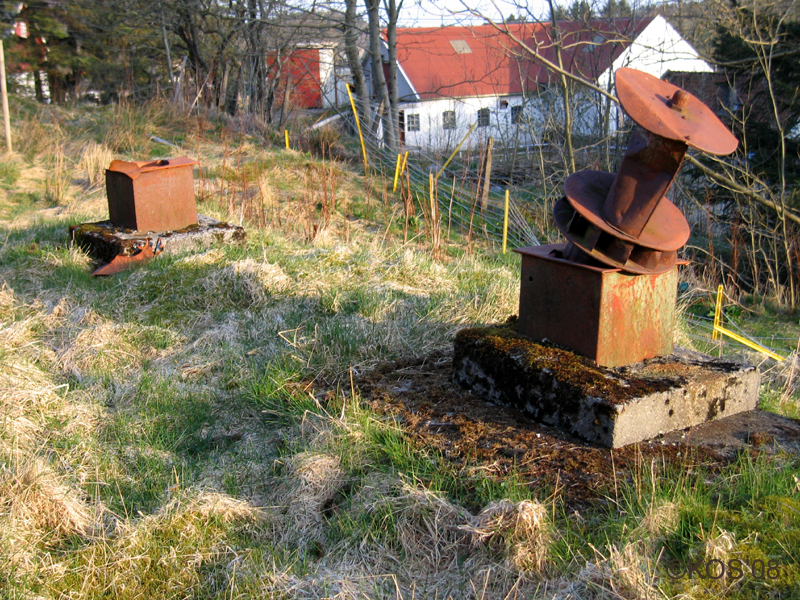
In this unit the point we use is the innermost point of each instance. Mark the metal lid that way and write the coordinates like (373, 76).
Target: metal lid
(671, 112)
(135, 168)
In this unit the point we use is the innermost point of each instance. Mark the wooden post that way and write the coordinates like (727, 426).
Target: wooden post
(487, 175)
(4, 93)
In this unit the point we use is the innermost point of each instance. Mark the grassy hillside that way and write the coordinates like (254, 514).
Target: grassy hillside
(196, 427)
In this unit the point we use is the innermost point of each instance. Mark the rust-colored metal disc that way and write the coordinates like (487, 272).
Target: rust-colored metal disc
(671, 112)
(666, 230)
(608, 249)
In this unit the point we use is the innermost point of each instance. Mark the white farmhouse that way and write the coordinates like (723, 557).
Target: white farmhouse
(451, 78)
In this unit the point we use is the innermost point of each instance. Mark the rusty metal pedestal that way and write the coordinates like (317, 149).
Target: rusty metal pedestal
(614, 318)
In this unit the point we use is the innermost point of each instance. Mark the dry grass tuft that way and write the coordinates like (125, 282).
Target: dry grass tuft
(224, 508)
(720, 546)
(521, 529)
(626, 574)
(429, 529)
(102, 347)
(313, 481)
(95, 160)
(38, 504)
(660, 519)
(209, 257)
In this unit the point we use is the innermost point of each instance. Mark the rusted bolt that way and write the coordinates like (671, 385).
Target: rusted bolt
(679, 100)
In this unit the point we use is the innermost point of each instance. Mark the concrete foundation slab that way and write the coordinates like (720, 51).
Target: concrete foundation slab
(104, 240)
(611, 407)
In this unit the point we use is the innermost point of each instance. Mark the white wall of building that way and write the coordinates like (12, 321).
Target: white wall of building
(432, 134)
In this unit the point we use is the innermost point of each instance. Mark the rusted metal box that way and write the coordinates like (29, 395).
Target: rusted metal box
(612, 317)
(151, 195)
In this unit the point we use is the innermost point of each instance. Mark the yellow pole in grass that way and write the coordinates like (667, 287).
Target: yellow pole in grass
(358, 125)
(433, 202)
(397, 171)
(474, 125)
(505, 224)
(717, 314)
(735, 336)
(405, 162)
(286, 137)
(748, 343)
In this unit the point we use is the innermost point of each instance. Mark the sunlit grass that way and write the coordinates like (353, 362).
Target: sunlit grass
(163, 432)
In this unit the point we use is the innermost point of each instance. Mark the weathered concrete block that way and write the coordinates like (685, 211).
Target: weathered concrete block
(105, 240)
(609, 406)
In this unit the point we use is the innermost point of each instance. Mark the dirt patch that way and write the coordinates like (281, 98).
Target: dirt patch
(500, 440)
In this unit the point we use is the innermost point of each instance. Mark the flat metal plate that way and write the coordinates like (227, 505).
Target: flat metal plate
(646, 99)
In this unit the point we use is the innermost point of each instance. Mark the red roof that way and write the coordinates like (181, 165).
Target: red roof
(480, 61)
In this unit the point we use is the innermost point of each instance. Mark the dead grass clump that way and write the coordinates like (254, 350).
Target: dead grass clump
(720, 546)
(520, 529)
(313, 482)
(209, 257)
(57, 183)
(102, 348)
(75, 257)
(33, 135)
(626, 574)
(660, 519)
(429, 529)
(224, 508)
(95, 160)
(183, 548)
(36, 499)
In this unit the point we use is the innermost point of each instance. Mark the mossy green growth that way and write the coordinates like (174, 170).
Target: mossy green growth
(513, 353)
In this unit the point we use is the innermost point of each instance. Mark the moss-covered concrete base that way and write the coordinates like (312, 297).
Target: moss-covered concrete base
(609, 406)
(104, 240)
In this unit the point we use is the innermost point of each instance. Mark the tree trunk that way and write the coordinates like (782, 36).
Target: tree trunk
(378, 79)
(392, 11)
(353, 59)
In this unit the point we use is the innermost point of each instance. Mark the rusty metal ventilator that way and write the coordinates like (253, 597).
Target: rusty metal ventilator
(624, 220)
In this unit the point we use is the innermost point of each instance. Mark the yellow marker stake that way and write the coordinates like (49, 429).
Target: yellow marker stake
(433, 202)
(748, 343)
(505, 225)
(717, 314)
(397, 171)
(405, 162)
(286, 137)
(474, 125)
(358, 125)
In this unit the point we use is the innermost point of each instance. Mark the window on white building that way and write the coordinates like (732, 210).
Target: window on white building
(516, 115)
(449, 119)
(483, 117)
(412, 122)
